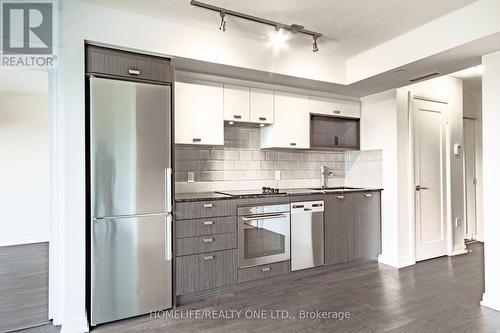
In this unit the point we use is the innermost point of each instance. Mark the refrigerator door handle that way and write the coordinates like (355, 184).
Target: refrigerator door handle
(168, 237)
(168, 189)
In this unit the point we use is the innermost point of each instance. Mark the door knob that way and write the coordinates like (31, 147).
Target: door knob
(418, 188)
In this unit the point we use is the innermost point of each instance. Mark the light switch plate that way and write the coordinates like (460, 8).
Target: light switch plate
(190, 177)
(458, 222)
(277, 175)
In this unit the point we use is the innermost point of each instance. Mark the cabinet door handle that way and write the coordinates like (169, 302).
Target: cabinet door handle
(368, 195)
(262, 118)
(208, 258)
(208, 222)
(208, 240)
(340, 197)
(210, 205)
(293, 143)
(336, 111)
(196, 139)
(265, 269)
(237, 116)
(134, 72)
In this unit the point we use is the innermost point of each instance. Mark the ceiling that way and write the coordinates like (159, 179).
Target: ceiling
(349, 26)
(22, 81)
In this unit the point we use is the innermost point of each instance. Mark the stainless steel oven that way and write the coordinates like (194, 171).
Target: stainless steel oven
(263, 234)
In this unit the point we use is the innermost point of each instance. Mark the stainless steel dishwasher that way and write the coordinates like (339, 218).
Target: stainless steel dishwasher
(307, 234)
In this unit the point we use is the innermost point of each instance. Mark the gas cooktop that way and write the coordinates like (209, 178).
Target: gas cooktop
(265, 191)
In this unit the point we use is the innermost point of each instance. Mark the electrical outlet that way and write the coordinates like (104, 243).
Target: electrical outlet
(190, 177)
(277, 175)
(458, 222)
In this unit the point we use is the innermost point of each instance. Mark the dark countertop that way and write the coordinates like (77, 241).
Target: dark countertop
(202, 196)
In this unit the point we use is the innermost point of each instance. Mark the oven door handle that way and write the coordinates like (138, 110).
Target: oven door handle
(263, 217)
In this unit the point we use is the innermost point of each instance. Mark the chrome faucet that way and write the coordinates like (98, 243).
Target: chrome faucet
(324, 172)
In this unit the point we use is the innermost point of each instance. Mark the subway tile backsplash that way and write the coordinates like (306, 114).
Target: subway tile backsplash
(240, 165)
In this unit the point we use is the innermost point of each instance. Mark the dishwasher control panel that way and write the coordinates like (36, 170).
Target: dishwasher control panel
(308, 206)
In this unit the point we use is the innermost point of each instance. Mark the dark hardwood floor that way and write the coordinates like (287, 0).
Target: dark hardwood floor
(439, 295)
(24, 285)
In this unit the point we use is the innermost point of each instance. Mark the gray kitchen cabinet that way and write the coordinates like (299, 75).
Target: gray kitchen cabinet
(330, 133)
(202, 209)
(367, 221)
(101, 60)
(207, 226)
(339, 228)
(206, 271)
(208, 243)
(263, 271)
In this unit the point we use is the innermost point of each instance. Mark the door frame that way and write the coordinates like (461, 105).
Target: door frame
(446, 173)
(466, 222)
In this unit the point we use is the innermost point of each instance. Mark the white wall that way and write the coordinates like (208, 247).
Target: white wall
(473, 108)
(379, 131)
(385, 125)
(491, 177)
(24, 168)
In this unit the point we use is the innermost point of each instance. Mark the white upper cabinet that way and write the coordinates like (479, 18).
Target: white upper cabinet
(236, 103)
(199, 113)
(261, 106)
(320, 105)
(291, 123)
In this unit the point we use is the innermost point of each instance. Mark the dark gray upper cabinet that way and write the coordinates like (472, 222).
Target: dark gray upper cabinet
(367, 224)
(339, 228)
(331, 133)
(101, 60)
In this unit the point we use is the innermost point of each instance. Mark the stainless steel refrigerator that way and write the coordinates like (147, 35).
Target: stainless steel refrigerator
(131, 199)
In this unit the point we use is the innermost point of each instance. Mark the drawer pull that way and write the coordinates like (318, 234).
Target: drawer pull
(340, 197)
(293, 143)
(368, 195)
(208, 240)
(262, 118)
(196, 139)
(134, 72)
(208, 258)
(208, 205)
(336, 111)
(265, 269)
(208, 222)
(237, 116)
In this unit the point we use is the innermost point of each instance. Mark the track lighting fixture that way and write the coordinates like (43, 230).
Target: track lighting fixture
(222, 26)
(315, 44)
(278, 39)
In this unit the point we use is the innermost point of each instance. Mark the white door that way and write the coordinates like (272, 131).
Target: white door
(470, 178)
(429, 138)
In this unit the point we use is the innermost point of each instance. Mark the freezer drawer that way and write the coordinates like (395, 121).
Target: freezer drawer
(131, 264)
(307, 234)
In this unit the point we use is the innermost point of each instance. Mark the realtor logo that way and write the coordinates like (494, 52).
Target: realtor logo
(27, 27)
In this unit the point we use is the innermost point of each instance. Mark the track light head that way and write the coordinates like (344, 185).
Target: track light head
(315, 44)
(222, 26)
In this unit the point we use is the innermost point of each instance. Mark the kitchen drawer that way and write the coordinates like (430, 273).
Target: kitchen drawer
(263, 271)
(192, 245)
(127, 64)
(202, 209)
(206, 271)
(208, 226)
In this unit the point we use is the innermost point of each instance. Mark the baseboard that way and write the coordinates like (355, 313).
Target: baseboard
(459, 249)
(23, 241)
(75, 326)
(396, 262)
(489, 303)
